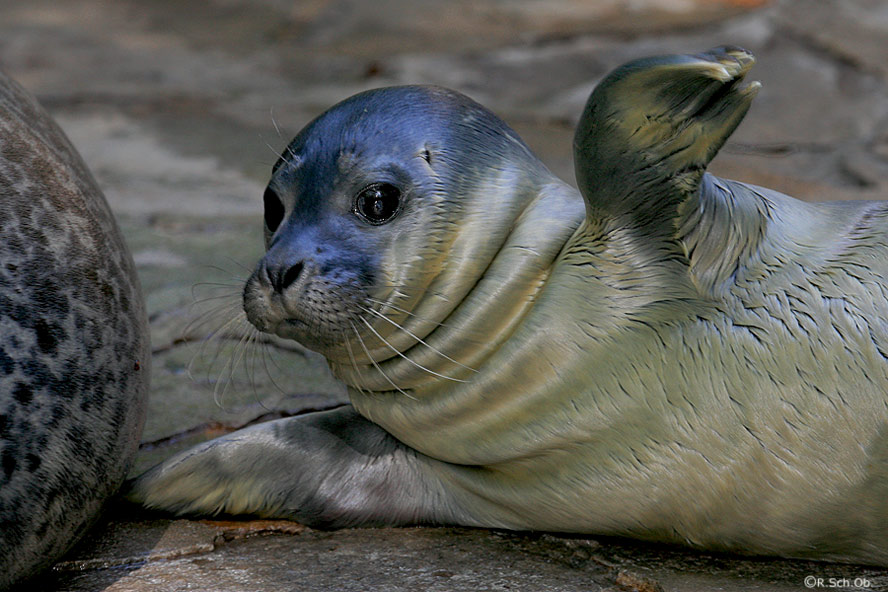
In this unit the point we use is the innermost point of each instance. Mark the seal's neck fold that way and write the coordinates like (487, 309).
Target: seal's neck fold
(474, 299)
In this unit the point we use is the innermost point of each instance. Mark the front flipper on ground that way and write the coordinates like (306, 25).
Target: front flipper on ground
(328, 469)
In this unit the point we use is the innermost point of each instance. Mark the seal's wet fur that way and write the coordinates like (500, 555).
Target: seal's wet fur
(671, 356)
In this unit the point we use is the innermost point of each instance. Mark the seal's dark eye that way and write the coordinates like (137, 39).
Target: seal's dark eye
(378, 203)
(274, 209)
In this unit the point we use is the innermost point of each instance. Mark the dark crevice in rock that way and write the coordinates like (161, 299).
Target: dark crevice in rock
(136, 561)
(235, 337)
(777, 149)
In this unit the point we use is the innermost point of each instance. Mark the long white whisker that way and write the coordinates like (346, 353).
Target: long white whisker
(230, 367)
(228, 296)
(275, 124)
(270, 147)
(235, 285)
(354, 362)
(281, 136)
(443, 355)
(212, 335)
(265, 353)
(209, 317)
(404, 290)
(240, 265)
(239, 280)
(296, 159)
(214, 293)
(250, 363)
(421, 367)
(405, 311)
(228, 343)
(414, 315)
(375, 365)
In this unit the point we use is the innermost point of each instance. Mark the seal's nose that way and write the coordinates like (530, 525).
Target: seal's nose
(280, 277)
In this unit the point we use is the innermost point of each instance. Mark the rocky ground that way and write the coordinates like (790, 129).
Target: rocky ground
(180, 108)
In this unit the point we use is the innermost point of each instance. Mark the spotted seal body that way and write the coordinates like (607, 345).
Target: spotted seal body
(73, 343)
(669, 356)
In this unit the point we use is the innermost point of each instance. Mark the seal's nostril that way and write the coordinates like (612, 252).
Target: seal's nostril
(290, 276)
(282, 278)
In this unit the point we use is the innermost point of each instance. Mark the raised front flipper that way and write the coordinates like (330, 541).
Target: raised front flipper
(650, 128)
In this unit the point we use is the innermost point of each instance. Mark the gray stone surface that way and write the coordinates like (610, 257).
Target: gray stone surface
(180, 108)
(162, 556)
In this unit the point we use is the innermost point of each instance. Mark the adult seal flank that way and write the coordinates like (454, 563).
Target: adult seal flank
(74, 355)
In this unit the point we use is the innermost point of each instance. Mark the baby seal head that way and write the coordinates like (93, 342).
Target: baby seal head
(359, 213)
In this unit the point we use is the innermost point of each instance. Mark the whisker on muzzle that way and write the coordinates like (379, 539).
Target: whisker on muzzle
(375, 365)
(394, 349)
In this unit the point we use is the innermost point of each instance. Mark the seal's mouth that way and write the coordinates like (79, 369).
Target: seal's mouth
(288, 327)
(320, 314)
(294, 329)
(310, 328)
(314, 335)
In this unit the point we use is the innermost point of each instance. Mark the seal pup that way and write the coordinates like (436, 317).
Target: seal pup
(74, 357)
(668, 356)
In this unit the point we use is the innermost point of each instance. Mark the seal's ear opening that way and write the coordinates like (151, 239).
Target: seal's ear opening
(651, 127)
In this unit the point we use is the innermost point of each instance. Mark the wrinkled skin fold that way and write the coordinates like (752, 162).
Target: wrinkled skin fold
(669, 355)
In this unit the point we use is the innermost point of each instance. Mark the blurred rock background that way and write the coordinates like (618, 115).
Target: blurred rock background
(180, 108)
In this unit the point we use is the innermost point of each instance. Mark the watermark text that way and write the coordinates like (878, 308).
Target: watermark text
(860, 583)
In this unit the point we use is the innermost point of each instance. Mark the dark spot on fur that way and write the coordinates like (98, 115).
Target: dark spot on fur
(22, 393)
(86, 403)
(55, 304)
(51, 494)
(33, 462)
(6, 305)
(100, 394)
(12, 507)
(108, 291)
(43, 528)
(34, 369)
(125, 304)
(59, 413)
(41, 257)
(7, 364)
(7, 461)
(47, 336)
(14, 244)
